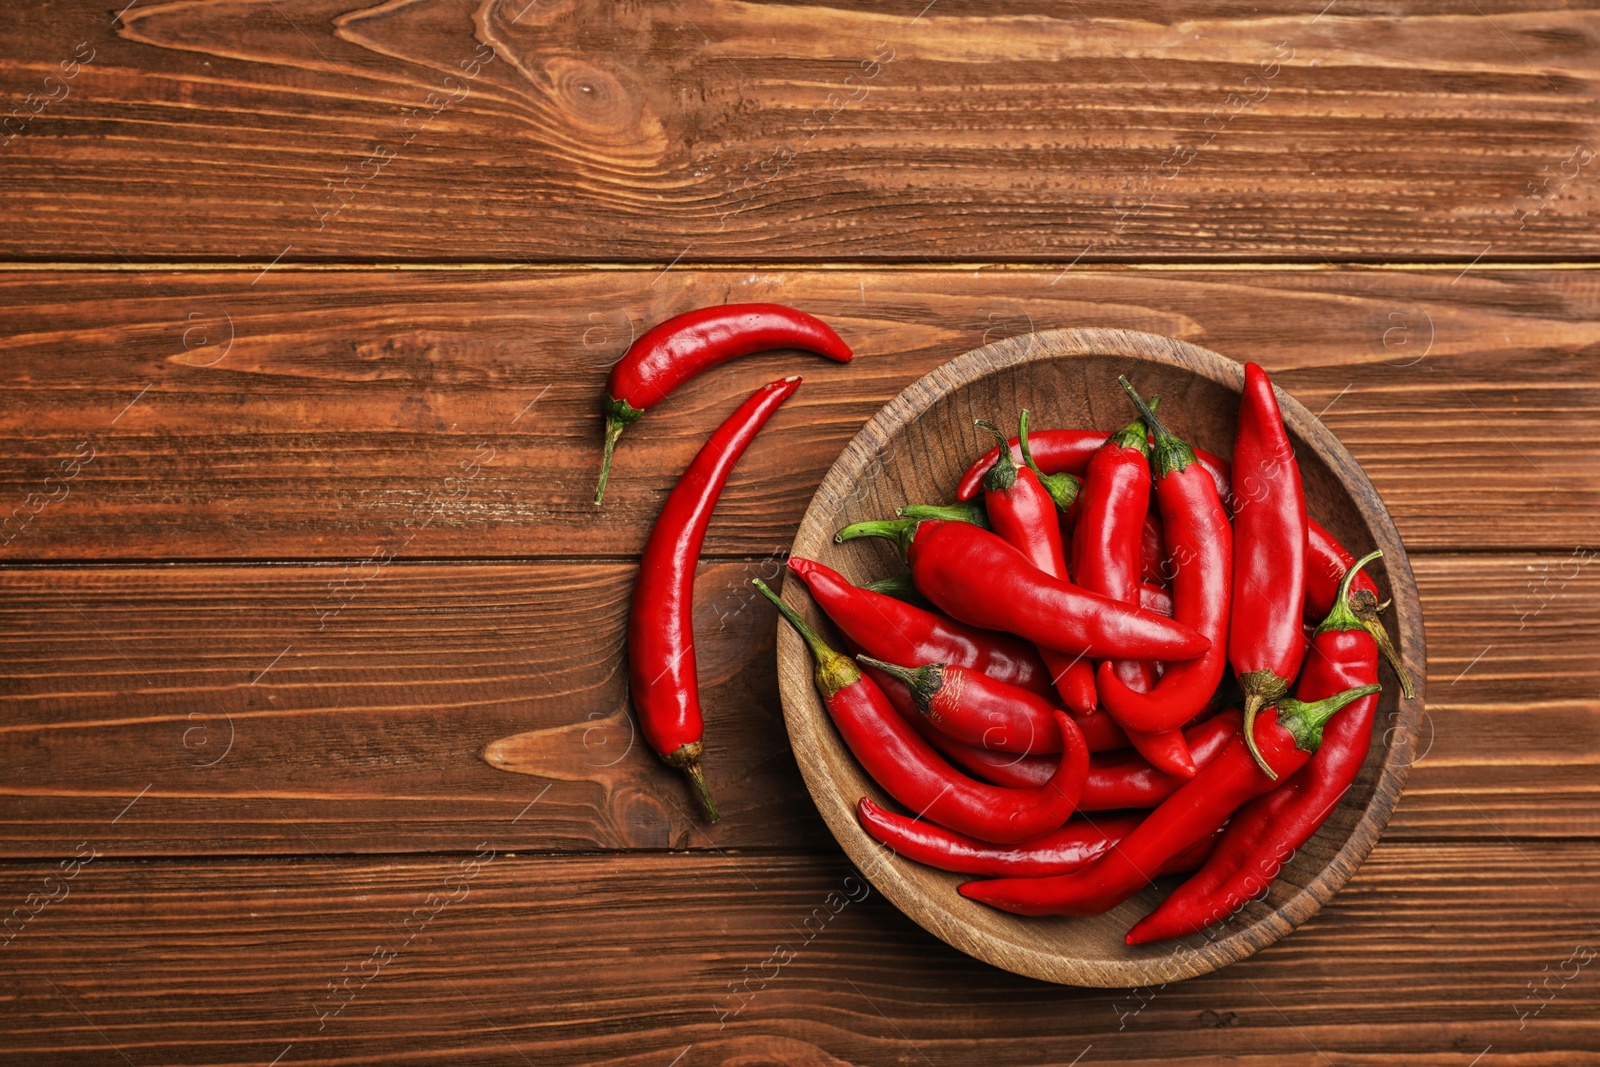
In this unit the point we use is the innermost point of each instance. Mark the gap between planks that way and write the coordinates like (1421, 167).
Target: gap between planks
(801, 266)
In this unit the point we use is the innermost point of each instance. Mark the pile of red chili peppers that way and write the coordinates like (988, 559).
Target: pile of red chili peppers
(1125, 596)
(1084, 682)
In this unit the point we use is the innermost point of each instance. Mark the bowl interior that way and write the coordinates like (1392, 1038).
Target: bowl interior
(915, 450)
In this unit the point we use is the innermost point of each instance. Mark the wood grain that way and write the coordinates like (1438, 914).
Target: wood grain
(364, 737)
(338, 414)
(758, 959)
(321, 129)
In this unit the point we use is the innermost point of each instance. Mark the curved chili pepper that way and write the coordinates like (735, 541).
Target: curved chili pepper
(1129, 780)
(892, 629)
(977, 710)
(661, 661)
(1327, 562)
(1113, 518)
(1069, 452)
(1001, 768)
(1023, 512)
(1265, 644)
(1265, 832)
(1199, 807)
(1201, 545)
(1115, 780)
(1075, 845)
(668, 355)
(909, 770)
(975, 577)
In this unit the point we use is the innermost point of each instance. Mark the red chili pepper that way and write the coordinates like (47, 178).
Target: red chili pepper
(1154, 566)
(1100, 734)
(1113, 516)
(1199, 807)
(892, 629)
(975, 709)
(1116, 780)
(1075, 845)
(661, 662)
(909, 770)
(1156, 599)
(670, 354)
(1265, 832)
(1128, 780)
(1201, 545)
(975, 577)
(1327, 562)
(1023, 512)
(1326, 556)
(1265, 644)
(1069, 452)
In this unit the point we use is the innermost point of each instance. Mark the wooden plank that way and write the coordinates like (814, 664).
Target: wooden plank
(360, 414)
(210, 694)
(633, 961)
(476, 131)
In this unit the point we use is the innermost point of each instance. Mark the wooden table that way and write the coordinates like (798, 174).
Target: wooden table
(304, 310)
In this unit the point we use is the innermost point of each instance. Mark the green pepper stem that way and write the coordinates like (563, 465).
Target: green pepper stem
(1261, 689)
(834, 671)
(899, 531)
(1304, 722)
(1063, 488)
(1340, 617)
(924, 682)
(619, 416)
(1136, 434)
(1003, 475)
(963, 511)
(899, 586)
(686, 758)
(1172, 454)
(1364, 605)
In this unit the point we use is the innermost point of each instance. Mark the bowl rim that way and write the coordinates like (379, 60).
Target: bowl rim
(810, 729)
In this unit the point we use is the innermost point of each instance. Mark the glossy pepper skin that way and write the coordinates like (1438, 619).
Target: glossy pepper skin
(891, 629)
(976, 710)
(1265, 832)
(908, 769)
(1023, 513)
(1287, 737)
(1200, 543)
(669, 354)
(1075, 845)
(1109, 544)
(1000, 768)
(1128, 780)
(1326, 564)
(1265, 643)
(974, 576)
(1069, 452)
(661, 662)
(1116, 780)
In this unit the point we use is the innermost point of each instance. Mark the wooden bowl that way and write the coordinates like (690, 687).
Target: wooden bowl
(916, 449)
